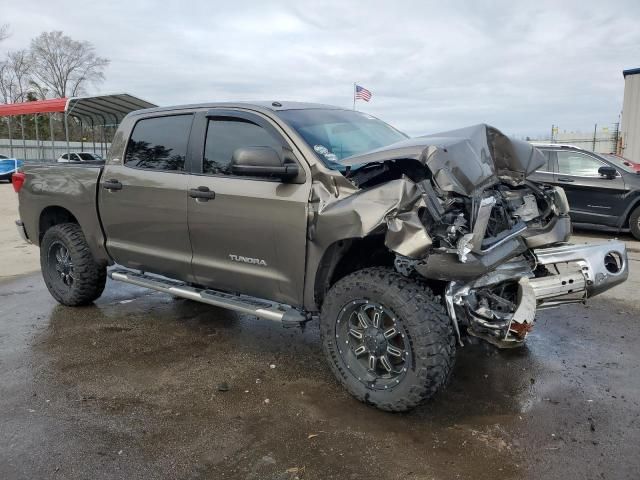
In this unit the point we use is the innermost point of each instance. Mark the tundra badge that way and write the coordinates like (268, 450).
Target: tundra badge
(253, 261)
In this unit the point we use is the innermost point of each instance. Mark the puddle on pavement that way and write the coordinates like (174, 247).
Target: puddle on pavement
(144, 375)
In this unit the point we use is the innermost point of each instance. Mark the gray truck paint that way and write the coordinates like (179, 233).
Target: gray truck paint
(58, 188)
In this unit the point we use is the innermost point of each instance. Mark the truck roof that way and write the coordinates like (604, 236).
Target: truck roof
(273, 105)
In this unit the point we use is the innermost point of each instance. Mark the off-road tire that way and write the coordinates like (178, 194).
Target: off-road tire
(418, 311)
(634, 223)
(89, 277)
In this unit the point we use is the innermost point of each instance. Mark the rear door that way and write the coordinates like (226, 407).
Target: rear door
(250, 235)
(143, 198)
(593, 198)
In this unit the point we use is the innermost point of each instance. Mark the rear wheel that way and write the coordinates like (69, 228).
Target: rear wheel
(634, 223)
(388, 340)
(71, 274)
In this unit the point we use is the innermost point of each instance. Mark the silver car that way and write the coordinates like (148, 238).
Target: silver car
(79, 157)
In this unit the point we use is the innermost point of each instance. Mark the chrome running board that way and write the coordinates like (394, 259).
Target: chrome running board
(276, 312)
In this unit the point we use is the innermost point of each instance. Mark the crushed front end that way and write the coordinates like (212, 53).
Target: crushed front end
(500, 306)
(473, 222)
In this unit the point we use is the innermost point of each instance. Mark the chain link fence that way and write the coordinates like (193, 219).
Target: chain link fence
(603, 139)
(44, 151)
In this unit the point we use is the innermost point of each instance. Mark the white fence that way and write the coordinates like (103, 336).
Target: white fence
(43, 151)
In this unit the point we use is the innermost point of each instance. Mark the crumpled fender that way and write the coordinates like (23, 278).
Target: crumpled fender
(392, 206)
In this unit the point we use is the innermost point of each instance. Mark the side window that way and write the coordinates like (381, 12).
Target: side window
(65, 156)
(159, 143)
(579, 164)
(225, 135)
(547, 166)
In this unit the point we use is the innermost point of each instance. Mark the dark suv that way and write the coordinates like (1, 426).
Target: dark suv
(603, 190)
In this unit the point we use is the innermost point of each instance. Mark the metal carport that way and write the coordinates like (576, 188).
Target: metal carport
(98, 111)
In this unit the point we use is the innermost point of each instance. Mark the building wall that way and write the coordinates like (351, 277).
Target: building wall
(630, 123)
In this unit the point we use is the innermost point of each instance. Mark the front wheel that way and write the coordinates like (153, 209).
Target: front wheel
(71, 274)
(387, 339)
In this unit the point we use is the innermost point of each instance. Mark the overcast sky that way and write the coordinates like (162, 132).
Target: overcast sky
(432, 66)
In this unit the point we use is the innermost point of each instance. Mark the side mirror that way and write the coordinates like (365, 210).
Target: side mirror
(262, 162)
(608, 172)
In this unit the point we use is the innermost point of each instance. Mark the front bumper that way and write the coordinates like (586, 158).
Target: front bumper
(599, 267)
(579, 272)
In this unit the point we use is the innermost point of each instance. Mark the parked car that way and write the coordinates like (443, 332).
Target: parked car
(603, 189)
(80, 157)
(8, 166)
(402, 247)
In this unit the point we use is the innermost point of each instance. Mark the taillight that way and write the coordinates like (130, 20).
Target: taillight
(18, 180)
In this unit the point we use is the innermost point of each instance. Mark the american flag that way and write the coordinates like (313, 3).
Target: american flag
(362, 93)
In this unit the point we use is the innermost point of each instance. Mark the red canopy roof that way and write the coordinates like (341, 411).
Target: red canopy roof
(39, 106)
(101, 108)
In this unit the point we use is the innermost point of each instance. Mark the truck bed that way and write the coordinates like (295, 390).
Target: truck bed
(62, 189)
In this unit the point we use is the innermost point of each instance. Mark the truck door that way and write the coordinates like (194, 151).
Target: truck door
(249, 235)
(143, 198)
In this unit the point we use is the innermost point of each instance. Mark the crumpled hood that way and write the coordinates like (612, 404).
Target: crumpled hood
(464, 161)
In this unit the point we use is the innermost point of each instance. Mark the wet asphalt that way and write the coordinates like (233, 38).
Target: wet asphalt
(134, 387)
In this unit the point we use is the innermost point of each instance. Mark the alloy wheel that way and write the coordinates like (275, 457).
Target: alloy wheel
(61, 262)
(372, 344)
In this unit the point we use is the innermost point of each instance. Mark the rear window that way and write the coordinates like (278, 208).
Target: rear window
(547, 167)
(159, 143)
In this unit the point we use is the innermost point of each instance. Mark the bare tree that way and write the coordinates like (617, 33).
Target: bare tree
(15, 77)
(4, 31)
(62, 66)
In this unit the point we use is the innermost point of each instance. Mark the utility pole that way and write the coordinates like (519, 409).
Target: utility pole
(595, 132)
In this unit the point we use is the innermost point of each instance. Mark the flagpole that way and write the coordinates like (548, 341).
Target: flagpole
(354, 95)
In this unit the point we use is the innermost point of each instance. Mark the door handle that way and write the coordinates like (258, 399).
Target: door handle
(565, 180)
(112, 184)
(202, 193)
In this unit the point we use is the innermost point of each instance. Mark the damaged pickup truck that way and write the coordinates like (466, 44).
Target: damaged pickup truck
(402, 247)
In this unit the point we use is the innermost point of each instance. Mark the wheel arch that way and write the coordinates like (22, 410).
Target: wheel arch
(632, 207)
(346, 256)
(54, 215)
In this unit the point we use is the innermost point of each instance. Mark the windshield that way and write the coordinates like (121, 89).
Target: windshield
(621, 162)
(338, 134)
